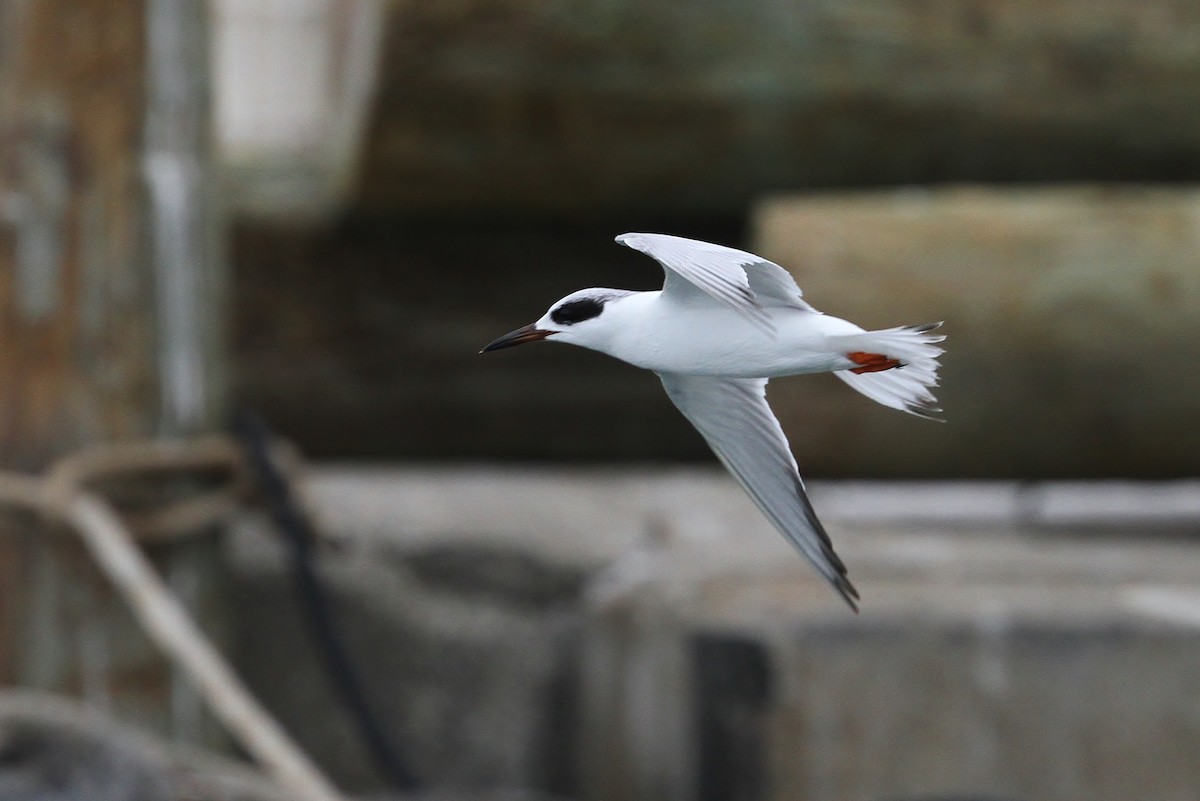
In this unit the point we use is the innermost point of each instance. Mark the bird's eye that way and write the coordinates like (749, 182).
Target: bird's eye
(577, 311)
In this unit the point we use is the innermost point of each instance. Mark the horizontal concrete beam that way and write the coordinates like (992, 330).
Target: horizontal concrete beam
(588, 516)
(1068, 313)
(684, 106)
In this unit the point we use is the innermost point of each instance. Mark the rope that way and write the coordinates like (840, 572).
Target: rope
(63, 496)
(294, 524)
(170, 626)
(87, 468)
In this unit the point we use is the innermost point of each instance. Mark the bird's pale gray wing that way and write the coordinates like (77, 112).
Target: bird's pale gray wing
(733, 417)
(714, 270)
(774, 286)
(742, 281)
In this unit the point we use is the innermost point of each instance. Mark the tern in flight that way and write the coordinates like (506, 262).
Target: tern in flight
(726, 322)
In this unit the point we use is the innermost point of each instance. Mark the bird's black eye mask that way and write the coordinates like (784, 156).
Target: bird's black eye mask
(577, 311)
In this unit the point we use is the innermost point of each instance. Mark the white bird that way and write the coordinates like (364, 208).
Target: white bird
(725, 322)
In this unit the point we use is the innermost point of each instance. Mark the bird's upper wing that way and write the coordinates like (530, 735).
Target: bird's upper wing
(733, 416)
(742, 281)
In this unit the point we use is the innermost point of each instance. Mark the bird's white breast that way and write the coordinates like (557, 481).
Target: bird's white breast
(707, 339)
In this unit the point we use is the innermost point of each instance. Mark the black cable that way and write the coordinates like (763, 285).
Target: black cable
(291, 521)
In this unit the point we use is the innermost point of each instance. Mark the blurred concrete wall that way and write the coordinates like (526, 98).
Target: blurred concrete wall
(1071, 314)
(646, 634)
(511, 141)
(618, 103)
(363, 340)
(999, 664)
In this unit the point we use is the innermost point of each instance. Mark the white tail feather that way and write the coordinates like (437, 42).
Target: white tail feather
(907, 387)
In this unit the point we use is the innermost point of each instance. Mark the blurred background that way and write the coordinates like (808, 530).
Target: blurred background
(541, 583)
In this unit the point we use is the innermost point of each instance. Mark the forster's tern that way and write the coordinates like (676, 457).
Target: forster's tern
(724, 323)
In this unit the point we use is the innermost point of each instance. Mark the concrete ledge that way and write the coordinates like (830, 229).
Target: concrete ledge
(590, 515)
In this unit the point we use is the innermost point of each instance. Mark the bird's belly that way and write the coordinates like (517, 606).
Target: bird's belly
(761, 364)
(739, 351)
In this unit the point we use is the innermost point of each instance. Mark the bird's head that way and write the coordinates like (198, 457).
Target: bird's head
(577, 319)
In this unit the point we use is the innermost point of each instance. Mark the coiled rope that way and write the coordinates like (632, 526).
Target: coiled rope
(65, 495)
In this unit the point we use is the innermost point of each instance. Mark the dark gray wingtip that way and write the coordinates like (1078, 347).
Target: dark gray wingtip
(847, 591)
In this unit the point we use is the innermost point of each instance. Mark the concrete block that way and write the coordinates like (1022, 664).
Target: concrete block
(463, 650)
(1068, 312)
(55, 749)
(462, 595)
(987, 662)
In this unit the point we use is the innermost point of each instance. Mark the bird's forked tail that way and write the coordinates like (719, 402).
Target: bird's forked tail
(896, 367)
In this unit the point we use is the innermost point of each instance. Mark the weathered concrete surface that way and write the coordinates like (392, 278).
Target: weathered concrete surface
(466, 650)
(55, 749)
(986, 663)
(605, 104)
(1070, 313)
(462, 591)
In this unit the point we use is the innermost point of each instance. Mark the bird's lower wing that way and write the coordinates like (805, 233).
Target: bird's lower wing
(733, 417)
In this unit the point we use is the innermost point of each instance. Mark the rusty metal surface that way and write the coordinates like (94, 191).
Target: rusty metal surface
(76, 321)
(82, 243)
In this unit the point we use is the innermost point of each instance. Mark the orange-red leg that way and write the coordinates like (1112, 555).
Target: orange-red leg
(872, 362)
